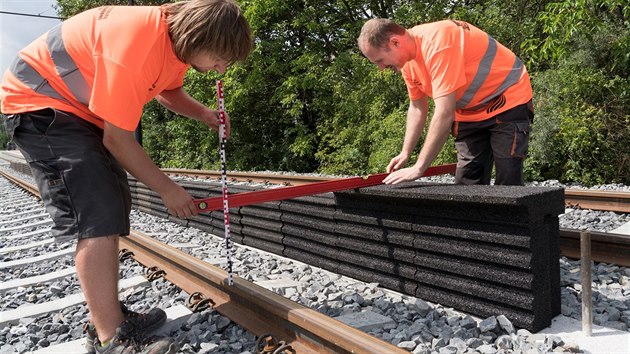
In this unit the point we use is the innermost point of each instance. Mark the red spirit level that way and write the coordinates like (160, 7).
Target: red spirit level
(267, 195)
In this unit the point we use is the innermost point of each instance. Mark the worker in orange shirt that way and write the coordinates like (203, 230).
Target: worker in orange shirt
(72, 101)
(481, 91)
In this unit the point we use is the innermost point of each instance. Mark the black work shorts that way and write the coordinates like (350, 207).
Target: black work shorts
(502, 140)
(83, 187)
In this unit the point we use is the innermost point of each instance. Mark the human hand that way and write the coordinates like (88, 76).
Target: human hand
(179, 203)
(406, 174)
(397, 162)
(211, 119)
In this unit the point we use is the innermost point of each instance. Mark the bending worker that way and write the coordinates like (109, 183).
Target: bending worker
(73, 99)
(480, 89)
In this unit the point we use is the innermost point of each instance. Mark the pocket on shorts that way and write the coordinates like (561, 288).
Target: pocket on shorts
(43, 119)
(55, 196)
(31, 134)
(520, 144)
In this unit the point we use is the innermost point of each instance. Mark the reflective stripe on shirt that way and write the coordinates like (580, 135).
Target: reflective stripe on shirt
(483, 70)
(32, 79)
(482, 73)
(66, 69)
(510, 80)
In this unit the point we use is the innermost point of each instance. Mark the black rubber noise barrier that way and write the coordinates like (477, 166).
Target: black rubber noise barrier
(486, 250)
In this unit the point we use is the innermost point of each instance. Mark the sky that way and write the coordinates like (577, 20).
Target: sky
(16, 32)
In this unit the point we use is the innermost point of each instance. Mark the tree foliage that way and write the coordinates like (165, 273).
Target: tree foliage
(306, 100)
(4, 138)
(582, 92)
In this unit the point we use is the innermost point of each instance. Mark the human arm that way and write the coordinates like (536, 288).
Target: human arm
(439, 128)
(416, 118)
(180, 102)
(133, 158)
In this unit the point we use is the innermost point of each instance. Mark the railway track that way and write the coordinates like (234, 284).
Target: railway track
(281, 325)
(597, 200)
(574, 198)
(607, 247)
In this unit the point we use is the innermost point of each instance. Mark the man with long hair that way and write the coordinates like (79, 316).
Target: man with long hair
(73, 99)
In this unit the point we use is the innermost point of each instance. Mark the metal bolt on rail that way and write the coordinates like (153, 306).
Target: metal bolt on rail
(198, 302)
(124, 254)
(154, 273)
(267, 344)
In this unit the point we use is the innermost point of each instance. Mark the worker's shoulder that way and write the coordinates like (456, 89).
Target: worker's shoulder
(436, 27)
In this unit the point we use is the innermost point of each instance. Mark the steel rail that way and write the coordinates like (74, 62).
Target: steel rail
(584, 199)
(606, 247)
(259, 177)
(22, 184)
(598, 200)
(254, 308)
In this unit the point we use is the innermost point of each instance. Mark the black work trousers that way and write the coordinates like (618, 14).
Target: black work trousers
(502, 141)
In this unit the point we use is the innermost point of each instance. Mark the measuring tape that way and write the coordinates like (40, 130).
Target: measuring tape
(224, 197)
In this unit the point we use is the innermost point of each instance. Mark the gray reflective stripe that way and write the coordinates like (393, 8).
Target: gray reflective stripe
(66, 67)
(482, 73)
(510, 80)
(24, 72)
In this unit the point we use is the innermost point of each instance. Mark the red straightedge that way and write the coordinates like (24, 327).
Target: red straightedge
(267, 195)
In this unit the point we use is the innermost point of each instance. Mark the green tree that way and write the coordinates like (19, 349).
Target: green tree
(582, 92)
(306, 100)
(4, 138)
(68, 8)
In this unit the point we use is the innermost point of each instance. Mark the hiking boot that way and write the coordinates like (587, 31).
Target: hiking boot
(142, 323)
(125, 342)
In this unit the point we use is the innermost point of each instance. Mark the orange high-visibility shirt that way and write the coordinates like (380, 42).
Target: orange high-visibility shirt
(454, 56)
(103, 64)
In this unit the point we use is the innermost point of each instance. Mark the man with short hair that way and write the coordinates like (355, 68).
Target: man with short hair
(73, 99)
(481, 92)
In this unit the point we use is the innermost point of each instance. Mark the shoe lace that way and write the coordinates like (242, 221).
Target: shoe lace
(86, 327)
(149, 340)
(138, 338)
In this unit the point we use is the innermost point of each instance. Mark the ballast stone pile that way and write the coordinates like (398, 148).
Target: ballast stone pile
(611, 294)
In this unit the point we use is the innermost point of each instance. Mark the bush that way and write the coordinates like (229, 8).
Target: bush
(4, 138)
(580, 132)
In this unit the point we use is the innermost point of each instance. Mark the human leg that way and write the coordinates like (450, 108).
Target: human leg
(97, 269)
(474, 153)
(80, 186)
(86, 192)
(510, 143)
